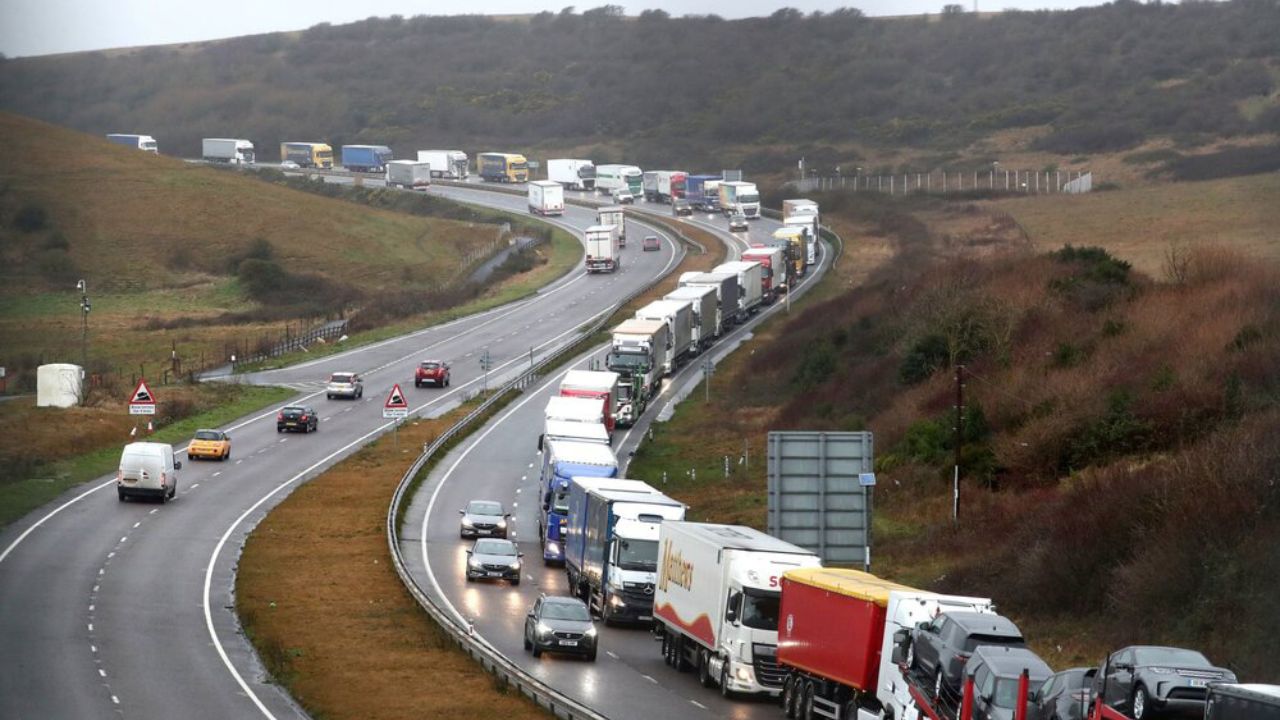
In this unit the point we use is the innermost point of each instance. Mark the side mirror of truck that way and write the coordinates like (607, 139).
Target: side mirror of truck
(462, 512)
(540, 439)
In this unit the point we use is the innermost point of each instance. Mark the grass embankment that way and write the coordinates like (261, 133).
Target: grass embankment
(1119, 453)
(325, 610)
(39, 464)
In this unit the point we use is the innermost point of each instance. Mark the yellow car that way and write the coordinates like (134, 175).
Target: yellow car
(209, 445)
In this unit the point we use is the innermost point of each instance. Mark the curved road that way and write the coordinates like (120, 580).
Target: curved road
(629, 680)
(112, 609)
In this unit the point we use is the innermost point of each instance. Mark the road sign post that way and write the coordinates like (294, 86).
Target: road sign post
(486, 364)
(395, 408)
(142, 401)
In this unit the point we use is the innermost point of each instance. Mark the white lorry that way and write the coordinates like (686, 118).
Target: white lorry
(635, 353)
(446, 164)
(678, 315)
(574, 409)
(716, 603)
(727, 294)
(612, 179)
(145, 143)
(706, 312)
(804, 213)
(611, 545)
(598, 385)
(227, 150)
(750, 284)
(740, 197)
(602, 248)
(546, 197)
(409, 174)
(553, 430)
(614, 215)
(574, 174)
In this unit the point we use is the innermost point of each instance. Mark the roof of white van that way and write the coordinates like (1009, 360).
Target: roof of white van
(147, 448)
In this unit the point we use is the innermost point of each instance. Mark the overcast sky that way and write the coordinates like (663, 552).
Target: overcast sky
(42, 27)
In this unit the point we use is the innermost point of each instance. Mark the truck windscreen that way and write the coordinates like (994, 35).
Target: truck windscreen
(760, 609)
(629, 361)
(638, 555)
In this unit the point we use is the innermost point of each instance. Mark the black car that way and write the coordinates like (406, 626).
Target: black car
(941, 646)
(681, 207)
(1065, 695)
(561, 625)
(495, 559)
(1242, 702)
(1147, 681)
(297, 418)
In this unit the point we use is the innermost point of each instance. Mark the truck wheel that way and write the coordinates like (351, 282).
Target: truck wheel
(666, 648)
(725, 692)
(789, 696)
(120, 494)
(806, 702)
(681, 657)
(704, 669)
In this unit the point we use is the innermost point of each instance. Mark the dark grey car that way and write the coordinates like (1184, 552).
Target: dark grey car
(560, 625)
(1065, 695)
(940, 647)
(494, 559)
(1147, 681)
(483, 518)
(996, 671)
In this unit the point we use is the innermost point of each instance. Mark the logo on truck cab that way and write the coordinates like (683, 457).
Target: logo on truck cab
(674, 569)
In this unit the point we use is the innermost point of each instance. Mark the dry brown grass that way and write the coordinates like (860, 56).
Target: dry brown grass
(316, 591)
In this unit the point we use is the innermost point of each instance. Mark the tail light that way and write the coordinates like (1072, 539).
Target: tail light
(119, 475)
(279, 416)
(304, 417)
(164, 479)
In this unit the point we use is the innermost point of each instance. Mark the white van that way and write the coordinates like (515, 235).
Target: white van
(147, 469)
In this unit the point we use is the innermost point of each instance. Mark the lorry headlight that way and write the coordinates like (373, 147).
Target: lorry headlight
(614, 582)
(743, 673)
(616, 601)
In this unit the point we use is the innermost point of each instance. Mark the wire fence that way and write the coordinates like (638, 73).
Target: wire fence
(1031, 182)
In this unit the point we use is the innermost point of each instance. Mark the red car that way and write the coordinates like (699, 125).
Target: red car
(432, 372)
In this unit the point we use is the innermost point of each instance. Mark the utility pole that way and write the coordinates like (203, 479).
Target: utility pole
(959, 427)
(708, 369)
(485, 364)
(84, 323)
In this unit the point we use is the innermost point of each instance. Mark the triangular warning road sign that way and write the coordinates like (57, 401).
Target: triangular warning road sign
(396, 399)
(142, 395)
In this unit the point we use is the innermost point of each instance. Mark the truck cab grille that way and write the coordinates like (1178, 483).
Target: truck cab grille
(764, 658)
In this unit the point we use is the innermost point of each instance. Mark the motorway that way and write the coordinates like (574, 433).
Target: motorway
(124, 609)
(629, 680)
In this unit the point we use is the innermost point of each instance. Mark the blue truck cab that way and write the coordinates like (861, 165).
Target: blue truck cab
(696, 194)
(563, 460)
(366, 158)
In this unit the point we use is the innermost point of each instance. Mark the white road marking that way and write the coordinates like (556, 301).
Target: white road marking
(217, 473)
(102, 673)
(650, 679)
(126, 537)
(111, 554)
(695, 702)
(153, 512)
(90, 608)
(93, 648)
(195, 485)
(115, 699)
(90, 627)
(137, 523)
(611, 654)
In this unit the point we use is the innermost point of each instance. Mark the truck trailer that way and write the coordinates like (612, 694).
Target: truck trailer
(366, 158)
(611, 545)
(774, 270)
(678, 315)
(614, 215)
(602, 248)
(740, 197)
(233, 151)
(706, 313)
(146, 143)
(562, 461)
(664, 185)
(750, 284)
(573, 432)
(446, 164)
(716, 603)
(728, 305)
(546, 197)
(574, 174)
(842, 639)
(307, 154)
(598, 385)
(634, 353)
(409, 174)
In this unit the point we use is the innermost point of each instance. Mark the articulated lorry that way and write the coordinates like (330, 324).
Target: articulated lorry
(728, 307)
(716, 603)
(750, 284)
(227, 150)
(600, 386)
(446, 164)
(574, 174)
(703, 192)
(706, 313)
(562, 461)
(146, 143)
(634, 353)
(366, 158)
(804, 213)
(576, 410)
(408, 174)
(664, 185)
(503, 167)
(740, 197)
(602, 248)
(612, 178)
(614, 215)
(678, 315)
(801, 243)
(572, 431)
(774, 269)
(842, 638)
(611, 545)
(307, 154)
(546, 197)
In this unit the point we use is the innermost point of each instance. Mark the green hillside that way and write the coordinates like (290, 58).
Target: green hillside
(658, 89)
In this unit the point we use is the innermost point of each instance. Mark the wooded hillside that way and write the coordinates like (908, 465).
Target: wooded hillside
(657, 88)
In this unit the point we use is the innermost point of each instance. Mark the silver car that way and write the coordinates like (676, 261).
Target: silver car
(738, 223)
(483, 518)
(344, 384)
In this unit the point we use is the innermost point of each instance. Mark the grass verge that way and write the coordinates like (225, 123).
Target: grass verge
(24, 492)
